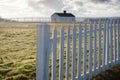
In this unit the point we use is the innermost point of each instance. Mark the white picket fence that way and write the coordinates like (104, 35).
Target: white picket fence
(104, 50)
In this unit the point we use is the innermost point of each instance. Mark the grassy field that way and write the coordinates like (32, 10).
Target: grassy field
(18, 50)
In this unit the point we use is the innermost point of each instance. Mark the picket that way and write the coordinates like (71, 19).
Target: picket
(99, 47)
(61, 53)
(79, 51)
(85, 50)
(110, 42)
(114, 42)
(118, 22)
(68, 54)
(54, 54)
(107, 44)
(104, 51)
(94, 48)
(74, 54)
(90, 57)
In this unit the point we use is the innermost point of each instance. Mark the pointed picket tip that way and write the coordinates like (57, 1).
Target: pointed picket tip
(80, 27)
(68, 29)
(91, 26)
(62, 29)
(54, 34)
(85, 27)
(80, 24)
(91, 22)
(55, 30)
(74, 28)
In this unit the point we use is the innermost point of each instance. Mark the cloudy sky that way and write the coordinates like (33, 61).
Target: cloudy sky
(44, 8)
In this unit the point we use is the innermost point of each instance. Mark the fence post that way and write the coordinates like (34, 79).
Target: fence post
(118, 41)
(42, 57)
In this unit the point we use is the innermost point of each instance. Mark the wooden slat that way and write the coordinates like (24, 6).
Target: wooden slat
(110, 42)
(68, 54)
(74, 54)
(61, 53)
(85, 51)
(90, 56)
(99, 48)
(95, 47)
(107, 46)
(48, 56)
(114, 42)
(118, 22)
(104, 52)
(54, 54)
(79, 51)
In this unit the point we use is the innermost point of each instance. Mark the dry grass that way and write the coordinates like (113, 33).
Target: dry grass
(18, 50)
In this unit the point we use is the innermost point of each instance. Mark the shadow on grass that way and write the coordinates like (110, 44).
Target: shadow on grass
(111, 74)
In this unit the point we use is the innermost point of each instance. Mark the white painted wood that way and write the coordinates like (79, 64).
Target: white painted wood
(44, 45)
(54, 54)
(90, 56)
(79, 51)
(42, 57)
(85, 51)
(95, 48)
(110, 42)
(61, 54)
(107, 46)
(118, 41)
(104, 51)
(74, 54)
(68, 54)
(114, 42)
(99, 48)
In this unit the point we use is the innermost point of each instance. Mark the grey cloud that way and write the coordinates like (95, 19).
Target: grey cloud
(79, 3)
(49, 4)
(77, 7)
(100, 1)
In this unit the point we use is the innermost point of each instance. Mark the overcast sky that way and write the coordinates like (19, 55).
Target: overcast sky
(44, 8)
